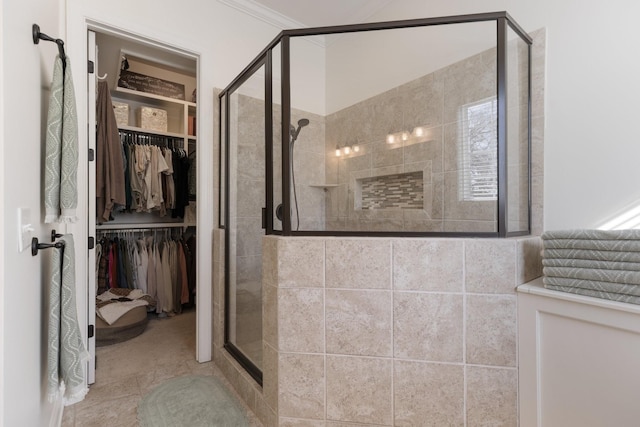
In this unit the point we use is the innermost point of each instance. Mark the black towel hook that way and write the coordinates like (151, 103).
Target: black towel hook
(37, 36)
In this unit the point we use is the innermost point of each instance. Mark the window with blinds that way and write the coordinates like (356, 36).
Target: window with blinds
(479, 153)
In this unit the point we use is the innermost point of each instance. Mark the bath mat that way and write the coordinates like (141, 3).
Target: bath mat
(191, 401)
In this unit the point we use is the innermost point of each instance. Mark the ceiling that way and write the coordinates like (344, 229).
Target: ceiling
(309, 13)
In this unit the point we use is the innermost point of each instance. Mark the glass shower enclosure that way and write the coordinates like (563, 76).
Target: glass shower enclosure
(403, 128)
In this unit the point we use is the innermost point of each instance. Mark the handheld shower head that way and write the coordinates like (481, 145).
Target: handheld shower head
(294, 132)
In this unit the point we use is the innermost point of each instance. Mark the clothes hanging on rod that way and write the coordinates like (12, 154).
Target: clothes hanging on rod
(157, 175)
(159, 262)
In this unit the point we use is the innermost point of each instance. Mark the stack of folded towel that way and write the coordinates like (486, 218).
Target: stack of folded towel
(597, 263)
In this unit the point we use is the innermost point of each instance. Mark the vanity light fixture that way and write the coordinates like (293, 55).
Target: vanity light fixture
(346, 150)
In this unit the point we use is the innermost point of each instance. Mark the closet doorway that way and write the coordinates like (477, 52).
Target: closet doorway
(142, 189)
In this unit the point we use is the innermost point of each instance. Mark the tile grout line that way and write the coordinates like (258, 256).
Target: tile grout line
(464, 332)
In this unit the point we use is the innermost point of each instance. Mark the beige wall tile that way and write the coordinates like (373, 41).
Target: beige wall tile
(304, 266)
(301, 386)
(491, 330)
(490, 266)
(265, 414)
(428, 326)
(290, 422)
(249, 237)
(301, 320)
(270, 376)
(359, 322)
(529, 259)
(270, 260)
(422, 102)
(492, 396)
(428, 394)
(537, 205)
(359, 390)
(358, 263)
(428, 264)
(270, 315)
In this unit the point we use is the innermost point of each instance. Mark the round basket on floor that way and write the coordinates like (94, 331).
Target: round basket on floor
(129, 325)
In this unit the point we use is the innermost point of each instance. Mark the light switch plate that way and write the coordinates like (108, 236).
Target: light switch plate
(25, 228)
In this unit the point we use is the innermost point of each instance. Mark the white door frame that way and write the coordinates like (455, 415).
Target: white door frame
(204, 203)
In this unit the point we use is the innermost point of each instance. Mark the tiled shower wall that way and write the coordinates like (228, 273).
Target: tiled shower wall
(393, 331)
(432, 102)
(383, 331)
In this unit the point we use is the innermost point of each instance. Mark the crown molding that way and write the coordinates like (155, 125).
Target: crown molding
(283, 22)
(257, 10)
(271, 17)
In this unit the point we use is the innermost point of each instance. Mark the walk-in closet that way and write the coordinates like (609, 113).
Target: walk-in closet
(142, 190)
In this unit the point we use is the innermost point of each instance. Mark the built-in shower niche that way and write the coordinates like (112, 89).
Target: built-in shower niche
(394, 191)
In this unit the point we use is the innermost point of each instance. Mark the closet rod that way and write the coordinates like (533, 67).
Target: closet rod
(133, 227)
(135, 230)
(37, 36)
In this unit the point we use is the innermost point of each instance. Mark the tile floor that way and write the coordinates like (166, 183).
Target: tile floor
(128, 371)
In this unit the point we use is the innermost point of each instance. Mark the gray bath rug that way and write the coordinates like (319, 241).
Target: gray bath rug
(191, 401)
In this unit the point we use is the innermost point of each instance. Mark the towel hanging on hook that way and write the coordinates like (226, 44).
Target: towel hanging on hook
(61, 145)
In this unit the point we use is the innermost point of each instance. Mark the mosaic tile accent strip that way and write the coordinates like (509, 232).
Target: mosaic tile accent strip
(398, 191)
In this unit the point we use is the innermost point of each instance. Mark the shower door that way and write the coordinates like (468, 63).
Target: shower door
(244, 129)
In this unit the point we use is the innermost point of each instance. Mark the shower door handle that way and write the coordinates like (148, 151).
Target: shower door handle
(264, 218)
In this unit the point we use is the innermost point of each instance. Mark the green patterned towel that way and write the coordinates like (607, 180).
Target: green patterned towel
(595, 274)
(66, 351)
(589, 255)
(61, 152)
(592, 234)
(622, 245)
(593, 285)
(597, 294)
(590, 263)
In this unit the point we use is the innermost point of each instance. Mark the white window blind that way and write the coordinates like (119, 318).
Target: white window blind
(479, 154)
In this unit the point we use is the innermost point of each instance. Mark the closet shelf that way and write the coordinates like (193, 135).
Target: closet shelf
(129, 94)
(155, 132)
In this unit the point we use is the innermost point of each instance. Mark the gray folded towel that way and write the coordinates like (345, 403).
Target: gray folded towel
(580, 254)
(599, 245)
(592, 285)
(597, 294)
(592, 234)
(600, 275)
(587, 263)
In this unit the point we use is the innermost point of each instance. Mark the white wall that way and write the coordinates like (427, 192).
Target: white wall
(26, 77)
